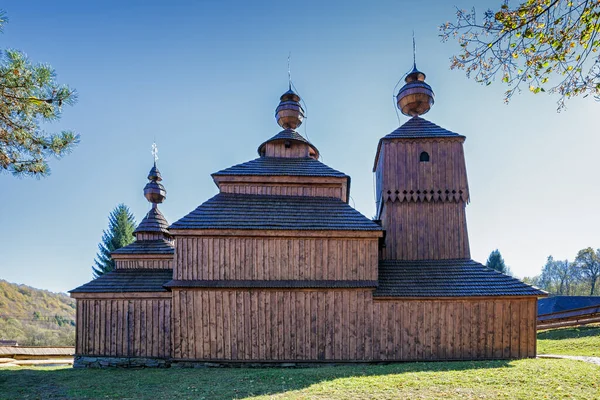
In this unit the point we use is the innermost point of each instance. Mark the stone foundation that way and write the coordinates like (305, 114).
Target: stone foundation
(120, 362)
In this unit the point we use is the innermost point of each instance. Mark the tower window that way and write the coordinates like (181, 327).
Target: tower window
(424, 157)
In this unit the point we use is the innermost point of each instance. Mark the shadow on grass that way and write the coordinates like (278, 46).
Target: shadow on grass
(570, 333)
(210, 383)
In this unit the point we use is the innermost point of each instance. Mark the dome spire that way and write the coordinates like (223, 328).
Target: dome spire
(289, 112)
(154, 191)
(416, 97)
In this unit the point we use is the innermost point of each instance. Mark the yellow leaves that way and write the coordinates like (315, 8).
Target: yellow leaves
(515, 55)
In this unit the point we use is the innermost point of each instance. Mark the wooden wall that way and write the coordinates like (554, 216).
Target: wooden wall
(295, 149)
(283, 258)
(311, 186)
(124, 327)
(336, 191)
(424, 231)
(143, 263)
(346, 325)
(398, 168)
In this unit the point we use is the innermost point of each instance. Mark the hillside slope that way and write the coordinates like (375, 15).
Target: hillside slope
(36, 317)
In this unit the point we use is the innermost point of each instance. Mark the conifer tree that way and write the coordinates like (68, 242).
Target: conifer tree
(30, 96)
(121, 225)
(495, 261)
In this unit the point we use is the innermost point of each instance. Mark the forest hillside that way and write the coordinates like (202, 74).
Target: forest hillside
(35, 317)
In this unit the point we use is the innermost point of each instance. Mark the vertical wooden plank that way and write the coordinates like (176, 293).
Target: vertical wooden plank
(360, 324)
(212, 324)
(234, 324)
(219, 326)
(514, 324)
(506, 330)
(314, 320)
(467, 323)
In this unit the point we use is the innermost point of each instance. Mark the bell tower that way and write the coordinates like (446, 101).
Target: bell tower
(421, 183)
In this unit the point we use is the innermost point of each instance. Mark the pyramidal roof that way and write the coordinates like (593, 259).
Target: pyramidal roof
(279, 166)
(287, 134)
(154, 221)
(418, 127)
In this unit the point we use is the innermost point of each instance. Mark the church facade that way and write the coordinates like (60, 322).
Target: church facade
(278, 268)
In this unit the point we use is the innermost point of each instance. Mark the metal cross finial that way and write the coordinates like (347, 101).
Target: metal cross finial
(290, 70)
(155, 152)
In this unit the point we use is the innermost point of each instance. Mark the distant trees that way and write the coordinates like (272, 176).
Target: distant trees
(121, 225)
(29, 96)
(588, 261)
(496, 262)
(577, 278)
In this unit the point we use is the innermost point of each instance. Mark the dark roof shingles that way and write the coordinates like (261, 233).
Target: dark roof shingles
(280, 166)
(154, 221)
(417, 127)
(564, 303)
(288, 134)
(158, 246)
(241, 211)
(447, 278)
(130, 280)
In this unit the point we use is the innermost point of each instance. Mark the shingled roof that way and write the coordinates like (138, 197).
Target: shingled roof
(128, 280)
(242, 211)
(154, 221)
(557, 304)
(417, 127)
(287, 134)
(447, 278)
(159, 246)
(281, 166)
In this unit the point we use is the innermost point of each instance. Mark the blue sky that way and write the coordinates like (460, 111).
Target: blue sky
(203, 78)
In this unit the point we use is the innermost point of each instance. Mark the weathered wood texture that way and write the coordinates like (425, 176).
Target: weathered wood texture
(282, 258)
(311, 186)
(143, 264)
(150, 236)
(336, 191)
(293, 149)
(137, 327)
(443, 178)
(424, 231)
(346, 325)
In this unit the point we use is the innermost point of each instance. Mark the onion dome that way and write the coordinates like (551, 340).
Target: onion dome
(415, 97)
(289, 112)
(154, 191)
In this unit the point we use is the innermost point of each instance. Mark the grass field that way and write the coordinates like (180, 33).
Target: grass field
(582, 341)
(521, 379)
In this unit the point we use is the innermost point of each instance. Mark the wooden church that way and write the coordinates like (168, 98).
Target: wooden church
(278, 268)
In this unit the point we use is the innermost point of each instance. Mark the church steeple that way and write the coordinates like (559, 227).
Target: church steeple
(288, 143)
(154, 225)
(421, 183)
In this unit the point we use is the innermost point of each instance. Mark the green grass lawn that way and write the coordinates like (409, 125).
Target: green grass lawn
(521, 379)
(582, 341)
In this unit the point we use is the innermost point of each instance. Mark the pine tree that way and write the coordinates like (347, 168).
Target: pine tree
(495, 261)
(121, 225)
(29, 96)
